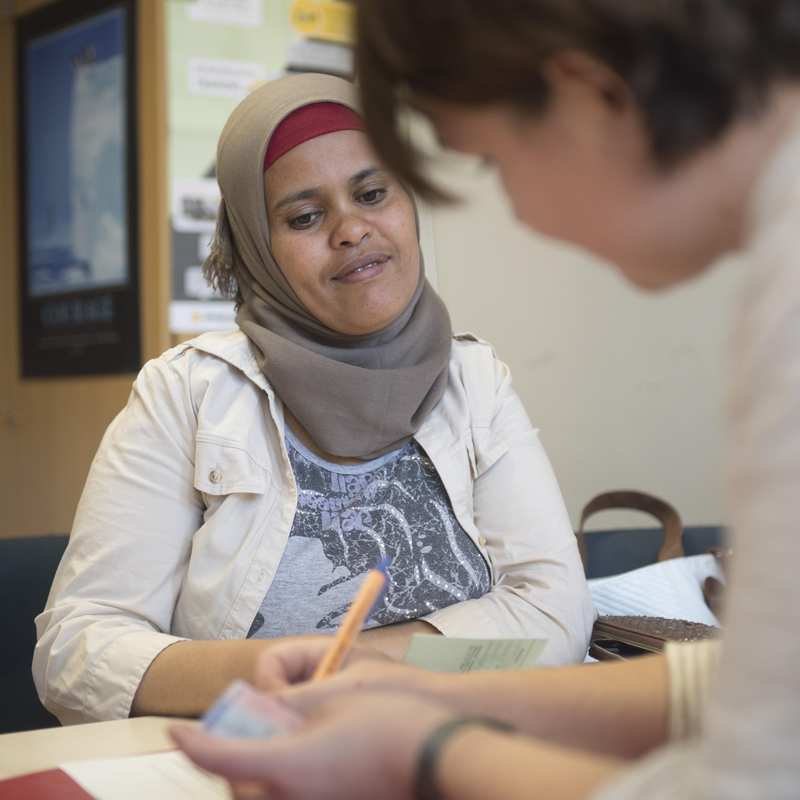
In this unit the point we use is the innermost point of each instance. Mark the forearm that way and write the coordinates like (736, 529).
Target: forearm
(185, 678)
(617, 709)
(478, 763)
(392, 640)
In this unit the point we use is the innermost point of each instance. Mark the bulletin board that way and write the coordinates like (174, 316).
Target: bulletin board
(218, 51)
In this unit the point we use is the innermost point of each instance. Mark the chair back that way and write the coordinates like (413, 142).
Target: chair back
(27, 566)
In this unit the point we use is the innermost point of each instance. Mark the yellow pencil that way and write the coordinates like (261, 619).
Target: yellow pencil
(353, 621)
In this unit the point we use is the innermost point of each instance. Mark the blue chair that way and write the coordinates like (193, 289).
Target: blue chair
(27, 566)
(612, 552)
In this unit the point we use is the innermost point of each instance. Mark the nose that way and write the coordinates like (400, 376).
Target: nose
(349, 230)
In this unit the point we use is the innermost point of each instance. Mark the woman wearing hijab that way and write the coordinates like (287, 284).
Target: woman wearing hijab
(256, 475)
(661, 136)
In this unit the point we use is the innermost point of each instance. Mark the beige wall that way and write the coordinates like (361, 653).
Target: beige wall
(626, 388)
(49, 429)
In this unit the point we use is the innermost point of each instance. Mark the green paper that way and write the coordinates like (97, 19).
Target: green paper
(442, 654)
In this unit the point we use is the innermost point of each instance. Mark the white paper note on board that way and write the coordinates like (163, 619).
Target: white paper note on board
(217, 77)
(244, 13)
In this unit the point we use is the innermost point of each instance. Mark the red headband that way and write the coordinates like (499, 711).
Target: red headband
(308, 122)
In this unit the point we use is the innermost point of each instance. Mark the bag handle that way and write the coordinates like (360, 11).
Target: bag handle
(628, 499)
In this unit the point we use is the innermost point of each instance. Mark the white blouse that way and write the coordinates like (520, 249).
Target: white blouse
(750, 745)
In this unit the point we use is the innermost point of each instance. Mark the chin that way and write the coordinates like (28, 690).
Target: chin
(647, 283)
(657, 276)
(366, 327)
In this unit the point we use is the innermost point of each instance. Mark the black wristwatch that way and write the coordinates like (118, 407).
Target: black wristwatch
(425, 780)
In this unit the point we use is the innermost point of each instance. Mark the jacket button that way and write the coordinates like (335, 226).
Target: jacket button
(215, 476)
(482, 541)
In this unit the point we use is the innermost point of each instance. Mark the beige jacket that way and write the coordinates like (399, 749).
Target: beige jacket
(191, 498)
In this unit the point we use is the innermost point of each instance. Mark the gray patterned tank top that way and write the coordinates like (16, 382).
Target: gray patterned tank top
(348, 518)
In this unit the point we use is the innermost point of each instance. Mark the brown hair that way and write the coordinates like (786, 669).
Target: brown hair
(692, 66)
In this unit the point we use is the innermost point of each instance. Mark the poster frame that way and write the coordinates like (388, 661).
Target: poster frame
(91, 330)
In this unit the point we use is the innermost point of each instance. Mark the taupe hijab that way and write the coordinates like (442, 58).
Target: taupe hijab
(356, 396)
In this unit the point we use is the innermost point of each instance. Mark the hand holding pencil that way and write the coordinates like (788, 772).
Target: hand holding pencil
(367, 596)
(242, 712)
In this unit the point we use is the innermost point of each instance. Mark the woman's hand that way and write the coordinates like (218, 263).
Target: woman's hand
(353, 746)
(294, 661)
(286, 670)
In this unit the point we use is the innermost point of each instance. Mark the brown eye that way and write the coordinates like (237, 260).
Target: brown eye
(303, 221)
(373, 196)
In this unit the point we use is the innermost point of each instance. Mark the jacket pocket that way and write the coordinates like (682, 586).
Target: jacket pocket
(222, 467)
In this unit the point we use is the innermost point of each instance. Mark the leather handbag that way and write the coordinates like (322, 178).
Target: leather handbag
(623, 637)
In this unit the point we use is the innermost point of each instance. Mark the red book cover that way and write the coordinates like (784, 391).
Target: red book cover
(51, 784)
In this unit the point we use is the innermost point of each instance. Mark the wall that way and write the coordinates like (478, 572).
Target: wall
(49, 429)
(627, 388)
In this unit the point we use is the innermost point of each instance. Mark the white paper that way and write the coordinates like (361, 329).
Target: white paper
(313, 55)
(195, 203)
(195, 285)
(220, 77)
(445, 654)
(244, 13)
(153, 776)
(198, 316)
(671, 589)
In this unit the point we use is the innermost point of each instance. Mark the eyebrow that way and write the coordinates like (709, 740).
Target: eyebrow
(308, 194)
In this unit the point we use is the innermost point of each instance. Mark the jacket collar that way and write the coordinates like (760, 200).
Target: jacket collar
(234, 348)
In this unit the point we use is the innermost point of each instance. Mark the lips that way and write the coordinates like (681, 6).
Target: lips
(360, 265)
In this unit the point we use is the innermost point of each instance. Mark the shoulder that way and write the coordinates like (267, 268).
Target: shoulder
(476, 363)
(220, 363)
(480, 386)
(212, 385)
(217, 352)
(231, 347)
(478, 377)
(471, 350)
(467, 342)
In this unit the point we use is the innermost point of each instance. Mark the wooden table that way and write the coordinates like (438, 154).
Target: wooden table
(30, 751)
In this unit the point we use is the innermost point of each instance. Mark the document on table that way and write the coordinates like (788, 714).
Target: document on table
(443, 654)
(154, 776)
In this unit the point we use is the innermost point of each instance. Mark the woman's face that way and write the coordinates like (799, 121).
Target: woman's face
(344, 233)
(582, 173)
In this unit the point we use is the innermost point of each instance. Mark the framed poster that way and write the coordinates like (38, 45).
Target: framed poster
(79, 288)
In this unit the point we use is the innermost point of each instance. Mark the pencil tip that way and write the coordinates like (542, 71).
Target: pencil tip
(383, 565)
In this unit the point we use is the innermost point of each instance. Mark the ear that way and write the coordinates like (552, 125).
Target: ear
(577, 70)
